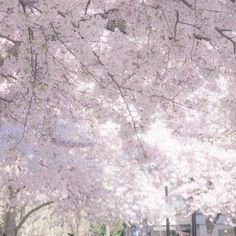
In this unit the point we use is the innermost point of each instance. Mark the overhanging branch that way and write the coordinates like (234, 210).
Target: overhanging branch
(30, 213)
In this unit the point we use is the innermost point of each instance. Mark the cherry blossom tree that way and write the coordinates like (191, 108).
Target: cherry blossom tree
(110, 101)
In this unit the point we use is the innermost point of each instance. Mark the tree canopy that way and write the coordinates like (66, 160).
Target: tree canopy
(104, 103)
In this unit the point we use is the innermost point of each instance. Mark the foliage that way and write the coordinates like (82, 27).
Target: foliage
(98, 229)
(117, 228)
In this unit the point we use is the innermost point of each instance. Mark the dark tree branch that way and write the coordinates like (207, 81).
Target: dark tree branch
(87, 6)
(61, 14)
(7, 76)
(9, 39)
(36, 8)
(221, 32)
(176, 24)
(120, 89)
(62, 42)
(23, 4)
(5, 100)
(172, 100)
(182, 23)
(187, 3)
(30, 213)
(98, 58)
(210, 225)
(189, 24)
(200, 37)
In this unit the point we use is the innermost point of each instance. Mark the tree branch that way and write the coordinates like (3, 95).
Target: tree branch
(210, 225)
(119, 87)
(5, 100)
(9, 39)
(30, 213)
(183, 23)
(221, 32)
(62, 42)
(12, 51)
(200, 37)
(87, 6)
(7, 76)
(186, 3)
(176, 24)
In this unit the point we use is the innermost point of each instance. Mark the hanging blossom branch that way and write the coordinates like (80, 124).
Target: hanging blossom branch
(119, 87)
(111, 76)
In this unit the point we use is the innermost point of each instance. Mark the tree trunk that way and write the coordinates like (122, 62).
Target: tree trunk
(211, 224)
(10, 215)
(107, 230)
(145, 231)
(11, 228)
(10, 222)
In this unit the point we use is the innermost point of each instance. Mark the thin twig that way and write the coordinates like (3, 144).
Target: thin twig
(182, 23)
(176, 24)
(62, 42)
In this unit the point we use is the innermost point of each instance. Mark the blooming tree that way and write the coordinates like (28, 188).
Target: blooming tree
(144, 89)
